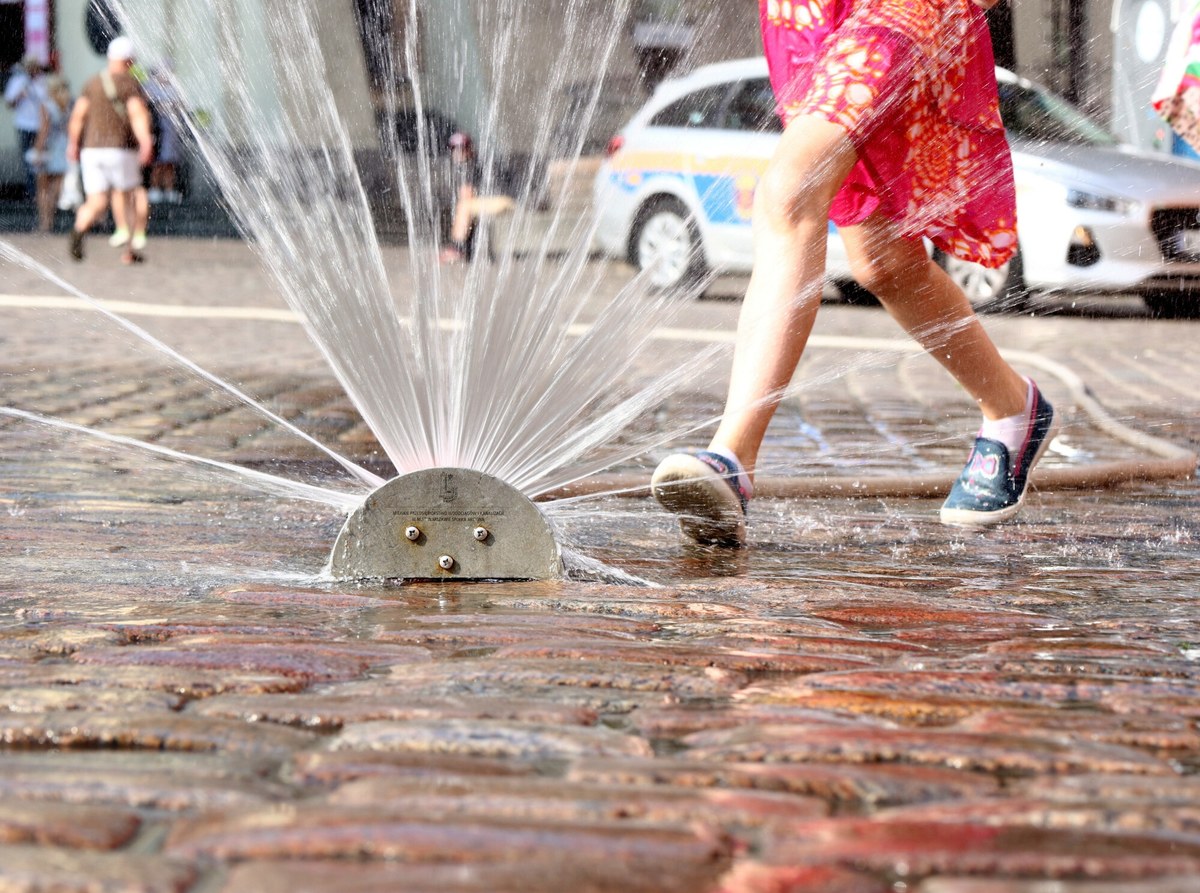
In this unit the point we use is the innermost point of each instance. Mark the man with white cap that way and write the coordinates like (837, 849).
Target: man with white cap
(109, 134)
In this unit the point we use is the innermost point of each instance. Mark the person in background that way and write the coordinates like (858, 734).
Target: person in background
(25, 93)
(1176, 96)
(469, 205)
(164, 107)
(132, 225)
(51, 149)
(893, 132)
(109, 134)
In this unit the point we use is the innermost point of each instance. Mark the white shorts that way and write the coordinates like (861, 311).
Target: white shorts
(105, 169)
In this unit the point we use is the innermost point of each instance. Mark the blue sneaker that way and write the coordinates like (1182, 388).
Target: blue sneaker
(992, 486)
(704, 490)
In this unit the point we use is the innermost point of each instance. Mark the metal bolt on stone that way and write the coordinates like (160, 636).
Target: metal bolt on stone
(456, 519)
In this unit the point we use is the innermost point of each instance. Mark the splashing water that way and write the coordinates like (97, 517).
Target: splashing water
(494, 367)
(490, 368)
(267, 483)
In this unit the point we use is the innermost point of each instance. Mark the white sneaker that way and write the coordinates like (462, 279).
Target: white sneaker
(118, 238)
(703, 490)
(138, 242)
(155, 196)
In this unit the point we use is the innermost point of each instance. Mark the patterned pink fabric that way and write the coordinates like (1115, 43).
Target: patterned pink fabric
(1177, 96)
(913, 84)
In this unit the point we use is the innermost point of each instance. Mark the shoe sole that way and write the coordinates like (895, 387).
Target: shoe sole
(709, 512)
(967, 518)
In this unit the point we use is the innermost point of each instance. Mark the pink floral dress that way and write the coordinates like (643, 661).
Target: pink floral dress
(913, 83)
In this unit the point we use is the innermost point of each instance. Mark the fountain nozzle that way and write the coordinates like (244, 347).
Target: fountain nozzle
(446, 524)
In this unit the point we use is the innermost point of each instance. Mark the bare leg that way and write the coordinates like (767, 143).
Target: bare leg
(464, 215)
(138, 217)
(121, 210)
(89, 212)
(93, 206)
(934, 311)
(140, 200)
(47, 199)
(791, 217)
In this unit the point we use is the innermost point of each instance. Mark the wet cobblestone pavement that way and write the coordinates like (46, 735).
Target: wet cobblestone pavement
(862, 701)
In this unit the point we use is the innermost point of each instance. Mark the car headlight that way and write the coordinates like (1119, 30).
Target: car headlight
(1094, 201)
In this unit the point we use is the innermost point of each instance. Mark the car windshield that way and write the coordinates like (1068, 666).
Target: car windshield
(1034, 114)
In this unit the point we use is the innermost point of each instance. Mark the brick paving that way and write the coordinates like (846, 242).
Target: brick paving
(862, 701)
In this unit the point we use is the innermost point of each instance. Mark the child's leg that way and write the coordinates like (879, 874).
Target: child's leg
(1019, 421)
(710, 490)
(791, 218)
(933, 310)
(47, 199)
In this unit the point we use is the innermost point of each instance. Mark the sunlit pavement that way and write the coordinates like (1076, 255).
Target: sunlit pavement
(863, 700)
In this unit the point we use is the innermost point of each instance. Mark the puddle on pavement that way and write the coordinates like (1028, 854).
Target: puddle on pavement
(1126, 552)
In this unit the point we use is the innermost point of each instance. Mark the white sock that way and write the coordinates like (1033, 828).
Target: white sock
(743, 479)
(1012, 430)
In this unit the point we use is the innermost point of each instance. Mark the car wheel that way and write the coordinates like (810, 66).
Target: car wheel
(1173, 305)
(988, 290)
(665, 245)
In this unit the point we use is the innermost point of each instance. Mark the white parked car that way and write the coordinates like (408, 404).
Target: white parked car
(675, 194)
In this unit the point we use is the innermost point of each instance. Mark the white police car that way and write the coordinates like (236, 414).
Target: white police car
(675, 192)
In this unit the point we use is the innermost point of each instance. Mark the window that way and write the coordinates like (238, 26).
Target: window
(1043, 117)
(753, 108)
(101, 24)
(699, 109)
(12, 38)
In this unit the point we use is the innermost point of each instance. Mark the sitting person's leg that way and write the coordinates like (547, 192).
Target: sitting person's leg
(460, 241)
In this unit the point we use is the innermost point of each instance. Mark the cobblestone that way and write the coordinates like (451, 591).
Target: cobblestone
(544, 800)
(1001, 754)
(74, 826)
(330, 710)
(156, 730)
(862, 702)
(310, 661)
(308, 876)
(915, 849)
(328, 831)
(156, 781)
(490, 738)
(970, 885)
(24, 869)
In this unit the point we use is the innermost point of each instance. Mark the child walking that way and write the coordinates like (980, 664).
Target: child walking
(51, 145)
(892, 130)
